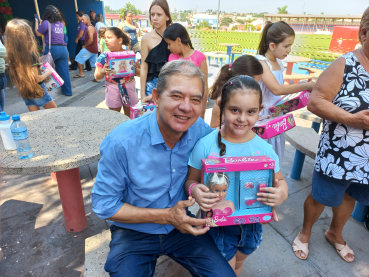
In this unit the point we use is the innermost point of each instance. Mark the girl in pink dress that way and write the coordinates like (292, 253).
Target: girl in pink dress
(179, 44)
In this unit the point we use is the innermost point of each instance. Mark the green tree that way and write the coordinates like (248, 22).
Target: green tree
(203, 24)
(108, 10)
(131, 8)
(226, 21)
(240, 21)
(282, 10)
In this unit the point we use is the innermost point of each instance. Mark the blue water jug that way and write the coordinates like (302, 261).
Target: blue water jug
(20, 136)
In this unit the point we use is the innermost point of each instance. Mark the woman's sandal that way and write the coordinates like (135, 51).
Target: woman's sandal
(342, 250)
(300, 246)
(79, 76)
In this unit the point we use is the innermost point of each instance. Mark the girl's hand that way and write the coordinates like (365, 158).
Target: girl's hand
(106, 70)
(310, 86)
(48, 72)
(203, 197)
(275, 197)
(147, 99)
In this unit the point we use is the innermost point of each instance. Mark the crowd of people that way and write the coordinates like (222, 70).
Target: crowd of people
(148, 211)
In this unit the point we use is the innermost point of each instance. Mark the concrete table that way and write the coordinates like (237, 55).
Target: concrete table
(290, 60)
(229, 49)
(63, 139)
(298, 161)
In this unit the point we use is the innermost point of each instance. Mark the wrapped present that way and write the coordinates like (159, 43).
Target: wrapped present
(141, 109)
(271, 127)
(122, 63)
(52, 81)
(290, 103)
(239, 179)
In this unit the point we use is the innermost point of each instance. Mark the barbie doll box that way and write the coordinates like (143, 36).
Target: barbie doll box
(141, 109)
(271, 127)
(290, 103)
(53, 81)
(122, 63)
(237, 180)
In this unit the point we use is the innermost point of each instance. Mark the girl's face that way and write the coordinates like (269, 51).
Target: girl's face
(174, 46)
(112, 42)
(78, 18)
(282, 49)
(221, 190)
(240, 114)
(158, 17)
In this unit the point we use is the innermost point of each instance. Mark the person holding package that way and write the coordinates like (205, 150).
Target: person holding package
(148, 211)
(240, 104)
(53, 20)
(24, 65)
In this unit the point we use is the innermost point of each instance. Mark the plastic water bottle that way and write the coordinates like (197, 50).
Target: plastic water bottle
(20, 136)
(6, 134)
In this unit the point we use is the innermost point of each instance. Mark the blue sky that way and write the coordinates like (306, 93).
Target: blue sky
(339, 7)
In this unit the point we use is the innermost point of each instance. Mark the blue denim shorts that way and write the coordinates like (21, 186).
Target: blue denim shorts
(85, 55)
(150, 85)
(229, 239)
(39, 102)
(330, 192)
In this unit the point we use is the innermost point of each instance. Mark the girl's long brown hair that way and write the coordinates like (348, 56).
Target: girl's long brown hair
(21, 48)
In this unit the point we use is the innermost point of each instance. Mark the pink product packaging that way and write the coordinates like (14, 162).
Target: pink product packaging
(141, 109)
(237, 180)
(122, 63)
(53, 81)
(271, 127)
(290, 103)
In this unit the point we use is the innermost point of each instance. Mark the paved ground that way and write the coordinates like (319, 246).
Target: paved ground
(35, 242)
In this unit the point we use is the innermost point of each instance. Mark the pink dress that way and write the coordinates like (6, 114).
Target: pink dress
(197, 57)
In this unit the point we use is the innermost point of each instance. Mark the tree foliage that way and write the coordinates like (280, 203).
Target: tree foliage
(282, 10)
(226, 21)
(131, 8)
(108, 10)
(240, 21)
(204, 24)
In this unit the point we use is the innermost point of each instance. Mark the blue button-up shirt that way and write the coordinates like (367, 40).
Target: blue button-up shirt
(137, 168)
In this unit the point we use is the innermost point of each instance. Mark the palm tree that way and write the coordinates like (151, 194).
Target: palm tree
(282, 10)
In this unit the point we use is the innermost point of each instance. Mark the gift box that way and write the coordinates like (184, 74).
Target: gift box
(141, 109)
(271, 127)
(290, 103)
(122, 63)
(239, 179)
(52, 81)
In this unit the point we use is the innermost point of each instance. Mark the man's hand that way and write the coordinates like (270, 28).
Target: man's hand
(76, 41)
(182, 222)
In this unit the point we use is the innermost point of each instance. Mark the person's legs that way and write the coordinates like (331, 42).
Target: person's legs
(341, 214)
(132, 253)
(199, 254)
(116, 109)
(239, 259)
(82, 57)
(74, 65)
(3, 83)
(61, 67)
(33, 108)
(50, 105)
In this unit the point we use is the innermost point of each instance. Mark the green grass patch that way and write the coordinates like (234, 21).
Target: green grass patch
(310, 46)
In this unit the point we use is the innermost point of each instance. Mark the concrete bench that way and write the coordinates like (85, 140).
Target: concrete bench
(306, 141)
(216, 57)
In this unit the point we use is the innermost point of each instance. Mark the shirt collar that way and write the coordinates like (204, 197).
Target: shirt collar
(157, 137)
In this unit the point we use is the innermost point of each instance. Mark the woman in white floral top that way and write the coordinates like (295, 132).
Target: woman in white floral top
(341, 175)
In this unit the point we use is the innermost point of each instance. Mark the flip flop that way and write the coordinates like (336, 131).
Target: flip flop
(300, 246)
(342, 250)
(79, 76)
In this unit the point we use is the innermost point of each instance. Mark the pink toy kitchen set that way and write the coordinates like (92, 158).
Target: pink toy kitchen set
(122, 63)
(240, 179)
(271, 127)
(290, 103)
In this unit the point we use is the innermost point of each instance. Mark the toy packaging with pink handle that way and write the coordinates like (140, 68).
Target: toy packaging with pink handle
(237, 180)
(122, 63)
(141, 109)
(290, 103)
(271, 127)
(53, 81)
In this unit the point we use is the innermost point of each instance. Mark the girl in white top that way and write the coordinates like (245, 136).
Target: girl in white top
(275, 44)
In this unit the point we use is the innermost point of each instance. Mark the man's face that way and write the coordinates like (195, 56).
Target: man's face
(85, 21)
(92, 14)
(180, 104)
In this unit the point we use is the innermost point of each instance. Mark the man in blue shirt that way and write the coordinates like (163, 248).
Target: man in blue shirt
(139, 187)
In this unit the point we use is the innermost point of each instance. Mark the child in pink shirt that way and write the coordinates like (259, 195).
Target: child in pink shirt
(179, 43)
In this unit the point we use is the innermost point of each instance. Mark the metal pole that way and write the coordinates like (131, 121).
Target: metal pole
(216, 40)
(37, 11)
(75, 4)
